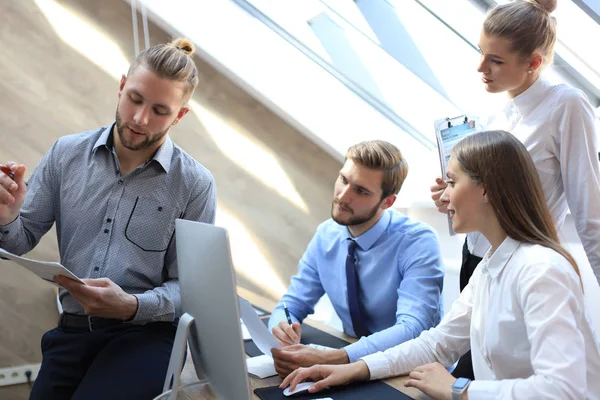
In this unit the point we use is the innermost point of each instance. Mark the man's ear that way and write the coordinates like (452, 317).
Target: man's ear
(388, 201)
(180, 114)
(122, 84)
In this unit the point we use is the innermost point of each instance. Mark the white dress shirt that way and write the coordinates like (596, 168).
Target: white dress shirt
(556, 124)
(522, 315)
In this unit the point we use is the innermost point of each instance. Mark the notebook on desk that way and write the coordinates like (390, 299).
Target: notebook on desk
(357, 391)
(309, 335)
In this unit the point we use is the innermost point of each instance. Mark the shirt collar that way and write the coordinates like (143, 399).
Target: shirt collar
(367, 239)
(103, 140)
(496, 262)
(163, 155)
(527, 101)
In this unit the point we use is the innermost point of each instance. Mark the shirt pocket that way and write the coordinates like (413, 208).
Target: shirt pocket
(151, 224)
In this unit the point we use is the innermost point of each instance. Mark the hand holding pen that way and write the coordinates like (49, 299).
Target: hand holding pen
(287, 332)
(12, 191)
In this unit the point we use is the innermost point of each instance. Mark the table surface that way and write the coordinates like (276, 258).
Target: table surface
(203, 392)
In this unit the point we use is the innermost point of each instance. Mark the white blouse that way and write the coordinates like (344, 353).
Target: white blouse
(556, 124)
(522, 315)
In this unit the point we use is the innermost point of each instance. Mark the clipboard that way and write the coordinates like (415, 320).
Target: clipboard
(448, 132)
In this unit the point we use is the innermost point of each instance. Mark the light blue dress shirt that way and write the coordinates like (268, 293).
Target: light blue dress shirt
(400, 273)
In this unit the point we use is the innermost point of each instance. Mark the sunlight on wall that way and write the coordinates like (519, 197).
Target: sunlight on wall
(85, 38)
(250, 156)
(248, 260)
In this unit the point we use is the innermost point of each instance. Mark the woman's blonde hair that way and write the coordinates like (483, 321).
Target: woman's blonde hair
(501, 163)
(171, 61)
(528, 25)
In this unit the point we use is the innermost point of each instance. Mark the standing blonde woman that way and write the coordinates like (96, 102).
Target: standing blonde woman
(522, 313)
(555, 122)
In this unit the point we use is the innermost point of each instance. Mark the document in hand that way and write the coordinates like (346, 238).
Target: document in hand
(44, 269)
(260, 366)
(449, 132)
(260, 334)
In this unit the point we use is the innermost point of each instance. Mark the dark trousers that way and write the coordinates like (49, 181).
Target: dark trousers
(464, 367)
(125, 361)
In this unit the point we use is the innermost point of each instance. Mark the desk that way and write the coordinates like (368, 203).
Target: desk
(203, 392)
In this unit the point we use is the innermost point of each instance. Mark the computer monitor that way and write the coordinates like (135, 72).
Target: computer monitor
(210, 312)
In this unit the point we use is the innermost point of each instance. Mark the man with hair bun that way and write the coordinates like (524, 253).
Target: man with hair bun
(114, 193)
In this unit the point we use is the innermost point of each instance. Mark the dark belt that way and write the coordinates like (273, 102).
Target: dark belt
(85, 323)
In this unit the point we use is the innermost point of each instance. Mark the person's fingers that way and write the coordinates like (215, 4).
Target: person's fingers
(438, 186)
(65, 282)
(288, 379)
(301, 375)
(281, 336)
(414, 383)
(414, 374)
(297, 327)
(290, 332)
(98, 282)
(321, 384)
(19, 174)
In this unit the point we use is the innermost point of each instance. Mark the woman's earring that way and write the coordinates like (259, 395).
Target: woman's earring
(529, 71)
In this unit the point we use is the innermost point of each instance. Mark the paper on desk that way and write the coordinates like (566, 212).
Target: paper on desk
(258, 331)
(44, 269)
(261, 366)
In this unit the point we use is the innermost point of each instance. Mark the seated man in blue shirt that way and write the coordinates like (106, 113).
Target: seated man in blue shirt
(382, 271)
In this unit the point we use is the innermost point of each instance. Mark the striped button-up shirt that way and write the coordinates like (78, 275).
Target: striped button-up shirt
(111, 225)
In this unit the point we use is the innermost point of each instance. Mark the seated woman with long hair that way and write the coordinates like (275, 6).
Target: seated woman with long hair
(522, 313)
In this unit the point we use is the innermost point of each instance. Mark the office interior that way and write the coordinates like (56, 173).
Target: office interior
(285, 88)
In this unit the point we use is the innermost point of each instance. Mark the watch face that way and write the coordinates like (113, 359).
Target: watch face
(460, 383)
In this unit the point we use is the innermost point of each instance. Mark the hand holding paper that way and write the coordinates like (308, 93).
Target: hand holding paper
(101, 298)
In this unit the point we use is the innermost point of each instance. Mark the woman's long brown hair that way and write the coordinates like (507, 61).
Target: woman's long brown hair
(502, 164)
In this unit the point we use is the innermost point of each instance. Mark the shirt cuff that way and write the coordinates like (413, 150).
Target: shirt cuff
(355, 351)
(7, 232)
(483, 389)
(147, 308)
(276, 317)
(378, 365)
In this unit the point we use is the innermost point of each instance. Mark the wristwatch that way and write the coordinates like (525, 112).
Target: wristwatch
(459, 387)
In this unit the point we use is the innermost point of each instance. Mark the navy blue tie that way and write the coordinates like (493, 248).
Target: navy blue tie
(353, 300)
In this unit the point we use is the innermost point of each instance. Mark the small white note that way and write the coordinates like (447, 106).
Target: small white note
(44, 269)
(261, 366)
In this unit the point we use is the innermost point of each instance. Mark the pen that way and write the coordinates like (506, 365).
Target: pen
(7, 171)
(287, 313)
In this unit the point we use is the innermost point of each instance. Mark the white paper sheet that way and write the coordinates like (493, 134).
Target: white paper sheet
(261, 366)
(44, 269)
(245, 333)
(258, 331)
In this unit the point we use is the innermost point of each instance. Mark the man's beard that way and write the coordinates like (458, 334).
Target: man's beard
(355, 219)
(149, 140)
